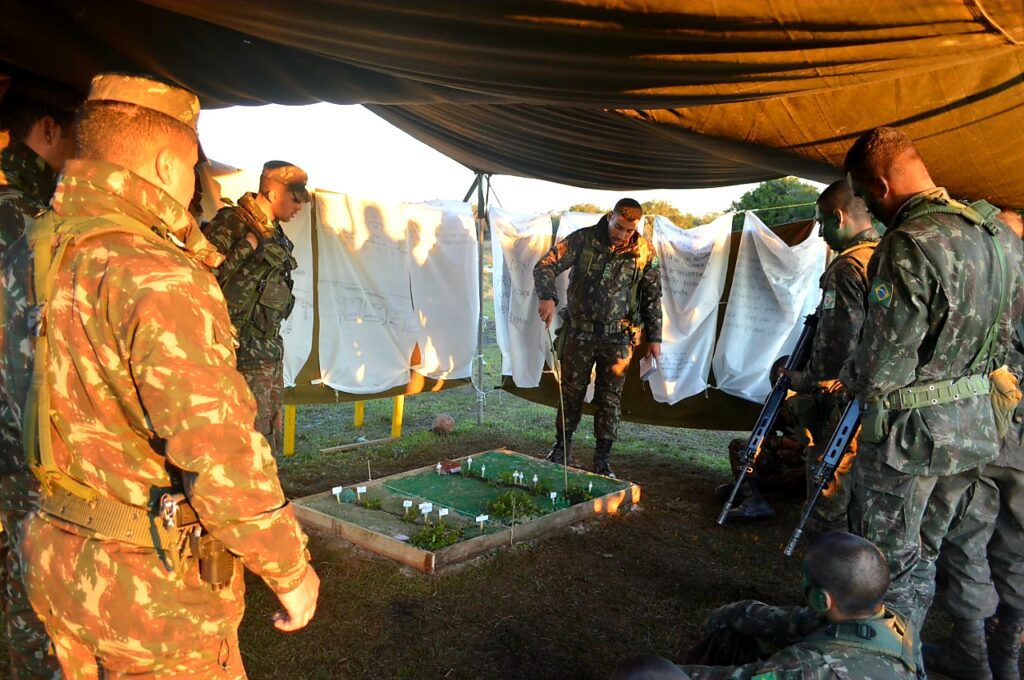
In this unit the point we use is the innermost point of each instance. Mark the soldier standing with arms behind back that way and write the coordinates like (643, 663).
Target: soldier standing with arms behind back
(614, 294)
(846, 226)
(117, 343)
(945, 284)
(38, 116)
(256, 277)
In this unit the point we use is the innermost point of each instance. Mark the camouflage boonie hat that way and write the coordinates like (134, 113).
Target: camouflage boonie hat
(170, 100)
(292, 176)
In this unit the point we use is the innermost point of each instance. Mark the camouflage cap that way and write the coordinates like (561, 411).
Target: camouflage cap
(170, 100)
(292, 176)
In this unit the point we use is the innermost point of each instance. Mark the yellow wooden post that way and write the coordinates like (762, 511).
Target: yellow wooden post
(359, 414)
(289, 430)
(397, 411)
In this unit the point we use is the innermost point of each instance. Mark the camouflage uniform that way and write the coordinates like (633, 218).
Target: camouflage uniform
(844, 288)
(143, 389)
(601, 311)
(811, 648)
(257, 285)
(26, 185)
(934, 297)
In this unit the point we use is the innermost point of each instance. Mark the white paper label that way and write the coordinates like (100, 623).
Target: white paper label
(554, 495)
(360, 489)
(442, 512)
(426, 507)
(481, 518)
(337, 490)
(406, 504)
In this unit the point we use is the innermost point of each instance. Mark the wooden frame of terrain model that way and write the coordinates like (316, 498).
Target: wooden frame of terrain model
(444, 559)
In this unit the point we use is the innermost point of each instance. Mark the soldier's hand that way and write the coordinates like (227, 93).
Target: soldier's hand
(299, 604)
(654, 350)
(546, 311)
(253, 241)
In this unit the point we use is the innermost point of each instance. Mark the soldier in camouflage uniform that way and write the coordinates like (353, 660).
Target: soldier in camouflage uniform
(1005, 558)
(39, 118)
(118, 354)
(945, 284)
(256, 278)
(846, 226)
(614, 293)
(846, 632)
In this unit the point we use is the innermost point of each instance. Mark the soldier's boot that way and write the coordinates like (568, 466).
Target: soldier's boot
(753, 506)
(964, 656)
(1004, 645)
(603, 457)
(558, 454)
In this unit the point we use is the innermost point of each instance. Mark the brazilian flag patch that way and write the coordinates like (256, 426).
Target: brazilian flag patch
(829, 301)
(881, 293)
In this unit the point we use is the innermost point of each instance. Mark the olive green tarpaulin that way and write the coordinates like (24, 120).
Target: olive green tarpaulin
(616, 94)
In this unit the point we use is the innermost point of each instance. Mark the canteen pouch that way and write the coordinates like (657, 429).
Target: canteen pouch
(1005, 394)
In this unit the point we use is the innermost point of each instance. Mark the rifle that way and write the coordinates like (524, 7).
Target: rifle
(770, 410)
(845, 431)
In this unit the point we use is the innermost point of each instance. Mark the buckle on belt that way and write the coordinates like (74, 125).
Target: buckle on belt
(169, 509)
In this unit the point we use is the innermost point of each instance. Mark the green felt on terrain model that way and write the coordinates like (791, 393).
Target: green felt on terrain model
(470, 495)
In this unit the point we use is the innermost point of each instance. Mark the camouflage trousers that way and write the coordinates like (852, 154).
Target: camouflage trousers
(266, 380)
(908, 516)
(820, 416)
(118, 611)
(1005, 556)
(579, 356)
(29, 648)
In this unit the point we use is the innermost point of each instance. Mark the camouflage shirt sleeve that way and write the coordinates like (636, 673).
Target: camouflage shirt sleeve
(178, 339)
(226, 231)
(650, 298)
(559, 258)
(902, 296)
(840, 319)
(790, 664)
(776, 626)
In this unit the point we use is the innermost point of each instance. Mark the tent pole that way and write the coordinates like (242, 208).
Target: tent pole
(481, 214)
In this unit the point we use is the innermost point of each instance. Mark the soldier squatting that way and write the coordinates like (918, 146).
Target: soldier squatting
(132, 450)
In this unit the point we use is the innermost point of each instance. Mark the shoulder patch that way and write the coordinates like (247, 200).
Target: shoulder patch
(829, 300)
(881, 293)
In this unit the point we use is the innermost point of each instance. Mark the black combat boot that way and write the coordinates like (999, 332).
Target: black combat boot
(964, 656)
(1004, 645)
(557, 454)
(603, 457)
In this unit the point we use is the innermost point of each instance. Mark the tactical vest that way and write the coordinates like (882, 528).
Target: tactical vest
(63, 496)
(586, 266)
(259, 292)
(889, 637)
(976, 382)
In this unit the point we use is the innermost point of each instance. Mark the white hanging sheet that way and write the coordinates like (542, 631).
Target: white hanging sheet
(518, 241)
(694, 263)
(367, 324)
(297, 329)
(774, 287)
(445, 287)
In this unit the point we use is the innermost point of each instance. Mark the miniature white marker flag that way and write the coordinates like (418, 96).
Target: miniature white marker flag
(590, 487)
(483, 471)
(441, 512)
(481, 519)
(337, 492)
(360, 490)
(469, 463)
(554, 495)
(406, 504)
(426, 507)
(438, 467)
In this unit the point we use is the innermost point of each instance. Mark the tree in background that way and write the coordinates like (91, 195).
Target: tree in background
(586, 208)
(778, 193)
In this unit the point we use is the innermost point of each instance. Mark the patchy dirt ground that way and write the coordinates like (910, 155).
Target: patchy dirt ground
(568, 606)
